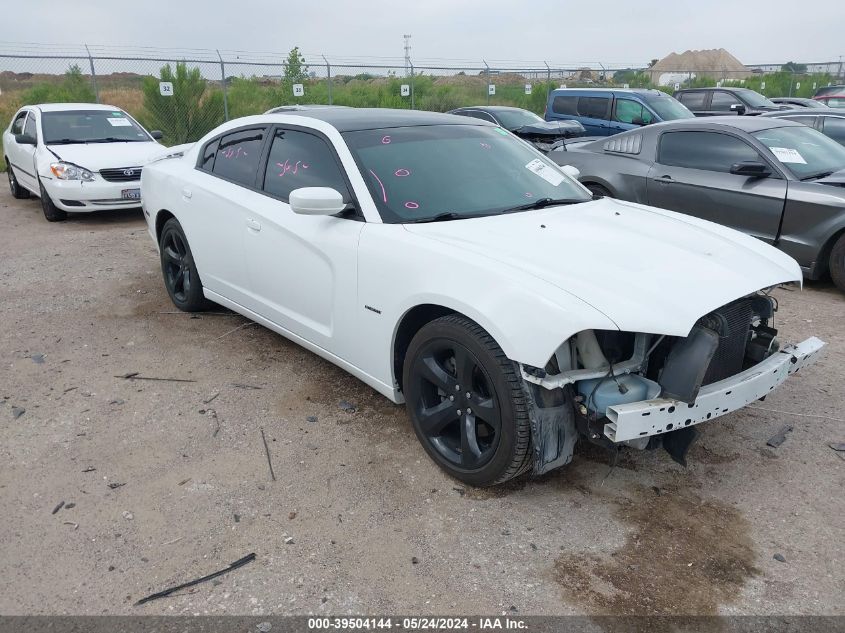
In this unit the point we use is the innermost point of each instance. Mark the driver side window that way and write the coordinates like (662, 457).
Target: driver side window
(630, 111)
(299, 159)
(710, 151)
(29, 128)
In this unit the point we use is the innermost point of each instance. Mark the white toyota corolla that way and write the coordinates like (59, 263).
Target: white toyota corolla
(77, 157)
(449, 265)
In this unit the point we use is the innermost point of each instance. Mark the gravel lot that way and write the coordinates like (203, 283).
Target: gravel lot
(161, 484)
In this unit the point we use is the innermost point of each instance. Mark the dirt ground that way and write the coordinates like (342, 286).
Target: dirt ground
(161, 484)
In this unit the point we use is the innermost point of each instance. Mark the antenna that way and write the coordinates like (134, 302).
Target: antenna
(407, 53)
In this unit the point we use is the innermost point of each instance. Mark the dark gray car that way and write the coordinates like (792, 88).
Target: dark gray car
(828, 121)
(775, 179)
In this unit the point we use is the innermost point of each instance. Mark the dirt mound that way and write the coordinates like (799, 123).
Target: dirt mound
(716, 62)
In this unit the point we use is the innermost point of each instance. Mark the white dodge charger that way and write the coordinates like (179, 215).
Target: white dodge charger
(77, 157)
(452, 267)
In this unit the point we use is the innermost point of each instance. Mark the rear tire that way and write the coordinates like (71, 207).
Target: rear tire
(18, 192)
(837, 263)
(483, 438)
(51, 211)
(179, 270)
(598, 190)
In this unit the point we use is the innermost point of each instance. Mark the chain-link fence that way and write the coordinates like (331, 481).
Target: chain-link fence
(186, 93)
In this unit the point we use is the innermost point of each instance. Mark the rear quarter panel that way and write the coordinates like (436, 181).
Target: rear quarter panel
(813, 215)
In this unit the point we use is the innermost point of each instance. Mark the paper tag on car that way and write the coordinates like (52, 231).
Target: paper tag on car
(788, 155)
(121, 122)
(545, 172)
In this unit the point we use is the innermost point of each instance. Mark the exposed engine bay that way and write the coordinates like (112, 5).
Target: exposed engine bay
(649, 390)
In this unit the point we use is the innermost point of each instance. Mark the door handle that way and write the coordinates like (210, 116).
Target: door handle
(186, 193)
(665, 178)
(253, 225)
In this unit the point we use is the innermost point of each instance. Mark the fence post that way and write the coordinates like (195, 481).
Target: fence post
(225, 94)
(93, 75)
(548, 80)
(328, 77)
(487, 75)
(791, 80)
(411, 65)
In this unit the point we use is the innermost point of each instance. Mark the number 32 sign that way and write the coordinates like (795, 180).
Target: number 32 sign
(165, 88)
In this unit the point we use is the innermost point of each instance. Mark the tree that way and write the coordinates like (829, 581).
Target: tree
(653, 62)
(792, 67)
(189, 112)
(74, 88)
(295, 69)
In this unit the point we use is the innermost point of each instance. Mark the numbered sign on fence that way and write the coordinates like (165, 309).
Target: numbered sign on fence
(626, 86)
(298, 90)
(762, 85)
(677, 85)
(491, 89)
(798, 85)
(165, 88)
(405, 90)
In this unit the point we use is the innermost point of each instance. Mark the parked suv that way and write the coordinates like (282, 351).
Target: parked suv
(606, 111)
(722, 101)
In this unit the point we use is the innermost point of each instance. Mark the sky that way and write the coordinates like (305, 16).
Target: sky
(616, 34)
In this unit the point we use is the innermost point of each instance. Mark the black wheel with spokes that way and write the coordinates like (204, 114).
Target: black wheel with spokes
(466, 402)
(18, 192)
(179, 270)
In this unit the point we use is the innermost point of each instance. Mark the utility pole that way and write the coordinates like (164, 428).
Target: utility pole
(407, 53)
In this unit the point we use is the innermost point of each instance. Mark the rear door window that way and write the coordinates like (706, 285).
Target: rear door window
(593, 107)
(238, 155)
(704, 150)
(299, 159)
(477, 114)
(693, 100)
(565, 104)
(17, 125)
(834, 127)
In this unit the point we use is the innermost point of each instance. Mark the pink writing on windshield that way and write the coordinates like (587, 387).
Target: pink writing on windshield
(412, 205)
(385, 140)
(383, 192)
(286, 167)
(401, 173)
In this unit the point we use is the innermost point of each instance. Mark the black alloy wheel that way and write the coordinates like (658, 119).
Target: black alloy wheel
(466, 402)
(179, 270)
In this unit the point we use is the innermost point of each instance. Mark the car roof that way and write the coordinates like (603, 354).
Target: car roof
(494, 108)
(65, 107)
(805, 112)
(639, 91)
(744, 123)
(354, 119)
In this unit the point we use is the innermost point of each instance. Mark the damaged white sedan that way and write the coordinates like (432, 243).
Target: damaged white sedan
(452, 267)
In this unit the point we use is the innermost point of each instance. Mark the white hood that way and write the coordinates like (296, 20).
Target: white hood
(647, 269)
(97, 156)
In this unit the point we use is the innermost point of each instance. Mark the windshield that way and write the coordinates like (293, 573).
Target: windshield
(87, 126)
(668, 108)
(806, 152)
(756, 100)
(417, 173)
(514, 119)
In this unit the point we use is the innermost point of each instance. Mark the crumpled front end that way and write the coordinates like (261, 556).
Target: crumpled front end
(647, 390)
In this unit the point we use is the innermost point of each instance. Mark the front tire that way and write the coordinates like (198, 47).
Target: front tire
(51, 211)
(18, 192)
(179, 270)
(466, 402)
(837, 263)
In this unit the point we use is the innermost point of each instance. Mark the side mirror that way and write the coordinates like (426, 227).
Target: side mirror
(157, 134)
(738, 108)
(316, 201)
(571, 171)
(25, 139)
(751, 169)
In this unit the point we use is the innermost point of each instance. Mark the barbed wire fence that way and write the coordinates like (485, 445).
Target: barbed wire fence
(187, 92)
